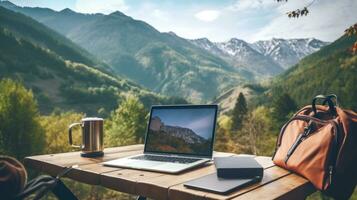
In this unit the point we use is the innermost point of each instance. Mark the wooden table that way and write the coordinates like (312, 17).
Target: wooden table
(277, 183)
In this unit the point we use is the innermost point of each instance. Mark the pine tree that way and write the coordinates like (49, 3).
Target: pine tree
(283, 106)
(240, 110)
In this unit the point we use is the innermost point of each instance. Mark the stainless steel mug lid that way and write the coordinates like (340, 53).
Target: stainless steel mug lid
(92, 119)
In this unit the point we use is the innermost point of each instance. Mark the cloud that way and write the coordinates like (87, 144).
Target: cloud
(159, 14)
(207, 15)
(201, 126)
(100, 6)
(244, 5)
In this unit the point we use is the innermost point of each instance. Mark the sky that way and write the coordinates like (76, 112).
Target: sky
(200, 121)
(220, 20)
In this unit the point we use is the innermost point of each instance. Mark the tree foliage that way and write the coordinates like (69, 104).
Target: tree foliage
(56, 128)
(225, 141)
(240, 110)
(258, 134)
(127, 124)
(350, 31)
(298, 12)
(20, 131)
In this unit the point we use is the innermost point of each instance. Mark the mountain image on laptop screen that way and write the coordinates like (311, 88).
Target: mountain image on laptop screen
(187, 131)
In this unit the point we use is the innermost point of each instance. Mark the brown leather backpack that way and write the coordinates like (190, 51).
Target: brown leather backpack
(320, 143)
(13, 177)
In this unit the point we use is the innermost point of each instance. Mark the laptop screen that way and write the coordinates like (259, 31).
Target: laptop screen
(186, 129)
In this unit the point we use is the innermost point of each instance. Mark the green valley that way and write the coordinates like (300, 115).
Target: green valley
(59, 72)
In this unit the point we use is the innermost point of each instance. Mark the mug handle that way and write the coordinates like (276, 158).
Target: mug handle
(70, 134)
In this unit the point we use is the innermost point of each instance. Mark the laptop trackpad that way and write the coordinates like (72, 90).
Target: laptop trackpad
(142, 163)
(169, 166)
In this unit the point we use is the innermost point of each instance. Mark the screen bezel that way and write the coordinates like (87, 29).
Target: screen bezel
(210, 153)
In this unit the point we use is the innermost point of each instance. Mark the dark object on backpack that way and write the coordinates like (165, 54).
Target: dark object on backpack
(14, 186)
(13, 177)
(238, 167)
(319, 143)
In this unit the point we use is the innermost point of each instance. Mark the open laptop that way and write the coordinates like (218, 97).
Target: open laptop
(177, 138)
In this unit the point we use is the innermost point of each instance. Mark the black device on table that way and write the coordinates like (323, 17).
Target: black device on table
(232, 173)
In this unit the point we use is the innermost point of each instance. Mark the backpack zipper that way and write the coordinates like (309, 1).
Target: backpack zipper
(301, 137)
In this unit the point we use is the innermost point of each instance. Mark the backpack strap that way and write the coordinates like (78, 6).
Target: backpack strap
(326, 99)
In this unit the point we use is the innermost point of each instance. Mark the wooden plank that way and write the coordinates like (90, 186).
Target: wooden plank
(90, 173)
(37, 161)
(176, 189)
(87, 169)
(290, 187)
(126, 180)
(67, 155)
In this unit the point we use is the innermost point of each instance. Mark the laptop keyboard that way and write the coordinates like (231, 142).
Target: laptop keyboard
(166, 159)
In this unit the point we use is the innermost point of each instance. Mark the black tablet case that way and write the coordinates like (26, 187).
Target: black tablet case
(238, 167)
(213, 183)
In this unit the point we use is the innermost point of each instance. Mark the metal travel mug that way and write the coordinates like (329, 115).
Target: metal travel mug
(92, 136)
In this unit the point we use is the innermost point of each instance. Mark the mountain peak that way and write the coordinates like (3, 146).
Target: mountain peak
(203, 40)
(7, 4)
(117, 13)
(67, 10)
(172, 33)
(236, 41)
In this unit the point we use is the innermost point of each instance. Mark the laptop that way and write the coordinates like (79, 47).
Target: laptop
(178, 138)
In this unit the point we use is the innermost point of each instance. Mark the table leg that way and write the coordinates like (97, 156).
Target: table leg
(62, 192)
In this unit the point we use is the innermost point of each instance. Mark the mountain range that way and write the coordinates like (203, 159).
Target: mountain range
(169, 138)
(330, 70)
(186, 134)
(262, 57)
(164, 62)
(60, 73)
(333, 69)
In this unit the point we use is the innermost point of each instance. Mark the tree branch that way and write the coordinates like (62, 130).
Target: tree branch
(298, 12)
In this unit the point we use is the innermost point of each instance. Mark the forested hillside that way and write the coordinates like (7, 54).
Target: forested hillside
(333, 69)
(39, 34)
(59, 75)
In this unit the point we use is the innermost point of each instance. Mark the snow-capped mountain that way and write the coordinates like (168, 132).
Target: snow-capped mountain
(240, 54)
(265, 58)
(288, 52)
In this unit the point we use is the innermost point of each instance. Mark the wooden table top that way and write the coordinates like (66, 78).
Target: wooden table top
(277, 183)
